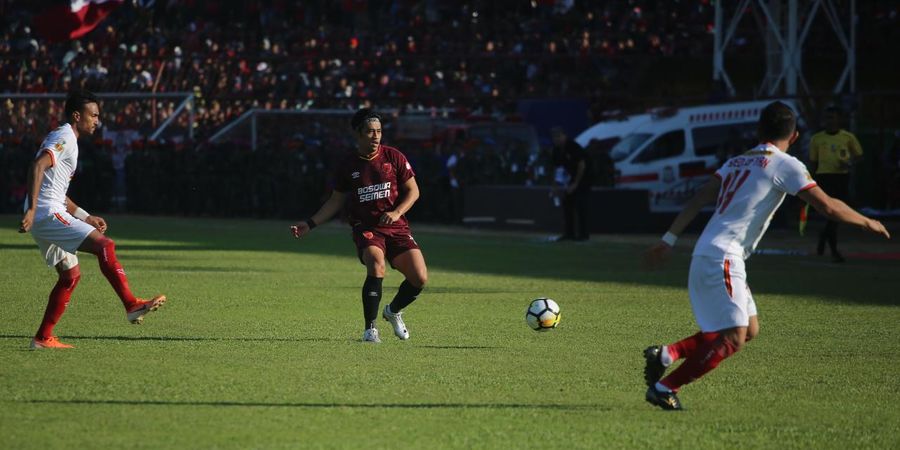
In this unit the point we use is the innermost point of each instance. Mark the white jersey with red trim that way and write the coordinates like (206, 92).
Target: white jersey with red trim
(753, 186)
(62, 147)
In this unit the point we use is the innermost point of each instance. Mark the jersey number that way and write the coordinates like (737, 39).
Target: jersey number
(730, 185)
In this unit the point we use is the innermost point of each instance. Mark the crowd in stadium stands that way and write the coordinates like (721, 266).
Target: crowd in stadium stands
(328, 53)
(234, 55)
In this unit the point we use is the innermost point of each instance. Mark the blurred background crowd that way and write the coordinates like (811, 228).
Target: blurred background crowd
(470, 58)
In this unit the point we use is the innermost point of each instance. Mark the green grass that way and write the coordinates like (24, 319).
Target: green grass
(258, 348)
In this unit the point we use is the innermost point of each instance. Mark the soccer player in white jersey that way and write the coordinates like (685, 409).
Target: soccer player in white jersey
(746, 191)
(60, 227)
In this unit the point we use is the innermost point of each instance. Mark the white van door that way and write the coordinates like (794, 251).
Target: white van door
(708, 147)
(654, 165)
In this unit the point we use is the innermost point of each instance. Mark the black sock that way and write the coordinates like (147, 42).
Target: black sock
(371, 298)
(405, 295)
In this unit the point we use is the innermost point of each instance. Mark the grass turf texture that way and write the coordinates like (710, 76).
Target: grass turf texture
(258, 347)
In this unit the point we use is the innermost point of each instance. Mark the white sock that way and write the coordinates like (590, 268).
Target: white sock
(665, 357)
(662, 388)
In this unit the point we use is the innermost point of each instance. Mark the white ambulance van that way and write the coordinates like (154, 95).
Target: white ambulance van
(612, 130)
(677, 150)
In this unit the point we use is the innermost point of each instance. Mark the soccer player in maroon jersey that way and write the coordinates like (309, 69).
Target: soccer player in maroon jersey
(378, 186)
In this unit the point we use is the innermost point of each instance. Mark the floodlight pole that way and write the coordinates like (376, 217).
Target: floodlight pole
(789, 59)
(782, 29)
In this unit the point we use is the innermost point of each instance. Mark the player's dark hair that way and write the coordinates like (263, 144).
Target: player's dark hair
(76, 100)
(362, 117)
(777, 122)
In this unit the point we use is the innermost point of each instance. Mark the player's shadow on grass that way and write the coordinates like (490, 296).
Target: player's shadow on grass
(184, 338)
(29, 246)
(326, 405)
(459, 347)
(603, 260)
(236, 339)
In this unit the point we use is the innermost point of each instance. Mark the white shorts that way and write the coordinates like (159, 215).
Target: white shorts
(58, 236)
(719, 293)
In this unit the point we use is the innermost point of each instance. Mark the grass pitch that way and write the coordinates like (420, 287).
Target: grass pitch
(259, 347)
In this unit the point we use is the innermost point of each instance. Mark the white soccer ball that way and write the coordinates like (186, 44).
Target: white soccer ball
(542, 315)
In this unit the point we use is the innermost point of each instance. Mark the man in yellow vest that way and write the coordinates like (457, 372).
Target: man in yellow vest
(831, 153)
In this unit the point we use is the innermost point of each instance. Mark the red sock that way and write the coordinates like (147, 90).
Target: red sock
(114, 273)
(685, 347)
(59, 299)
(705, 358)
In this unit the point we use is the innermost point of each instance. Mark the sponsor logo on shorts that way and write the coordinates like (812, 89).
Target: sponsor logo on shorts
(368, 234)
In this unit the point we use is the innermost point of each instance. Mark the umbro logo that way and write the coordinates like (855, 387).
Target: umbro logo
(354, 175)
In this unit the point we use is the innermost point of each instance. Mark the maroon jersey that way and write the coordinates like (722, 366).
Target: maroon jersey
(372, 186)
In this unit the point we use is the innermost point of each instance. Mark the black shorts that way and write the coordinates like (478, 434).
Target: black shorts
(834, 184)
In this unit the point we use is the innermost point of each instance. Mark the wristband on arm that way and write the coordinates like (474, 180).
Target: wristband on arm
(310, 223)
(80, 214)
(669, 239)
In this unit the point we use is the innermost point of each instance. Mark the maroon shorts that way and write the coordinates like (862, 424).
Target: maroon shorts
(391, 241)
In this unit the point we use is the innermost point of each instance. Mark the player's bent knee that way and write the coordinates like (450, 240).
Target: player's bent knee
(736, 337)
(70, 277)
(737, 342)
(419, 279)
(376, 268)
(751, 333)
(73, 281)
(102, 245)
(106, 249)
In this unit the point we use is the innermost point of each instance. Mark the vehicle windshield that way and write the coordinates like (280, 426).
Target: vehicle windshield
(628, 145)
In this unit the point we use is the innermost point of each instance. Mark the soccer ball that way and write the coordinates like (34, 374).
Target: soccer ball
(542, 315)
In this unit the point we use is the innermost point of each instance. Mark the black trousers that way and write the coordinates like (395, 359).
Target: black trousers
(835, 185)
(575, 214)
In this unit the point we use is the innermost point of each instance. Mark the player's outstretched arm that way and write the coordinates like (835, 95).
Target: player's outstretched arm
(324, 214)
(33, 184)
(410, 193)
(658, 253)
(837, 210)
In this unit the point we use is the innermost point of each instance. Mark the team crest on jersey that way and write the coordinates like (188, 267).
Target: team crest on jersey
(354, 175)
(59, 146)
(387, 168)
